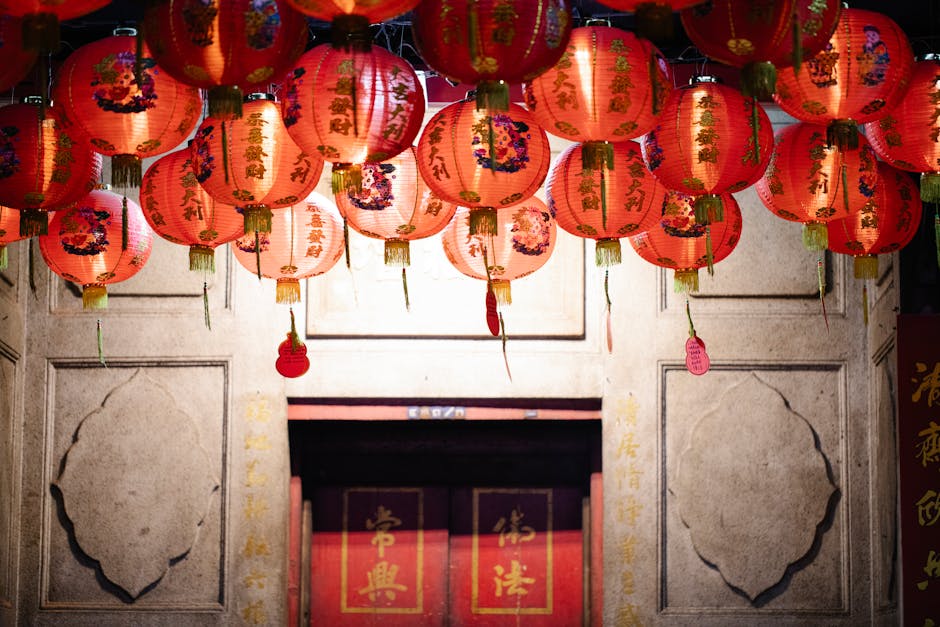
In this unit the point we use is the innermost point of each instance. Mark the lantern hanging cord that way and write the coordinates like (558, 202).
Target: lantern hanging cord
(865, 302)
(294, 340)
(258, 254)
(100, 345)
(346, 242)
(821, 279)
(610, 338)
(936, 231)
(205, 305)
(502, 330)
(688, 314)
(845, 187)
(404, 286)
(709, 257)
(124, 233)
(31, 261)
(139, 56)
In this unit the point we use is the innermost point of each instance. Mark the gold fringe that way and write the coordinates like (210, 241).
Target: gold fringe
(596, 155)
(346, 177)
(842, 134)
(225, 102)
(126, 171)
(866, 267)
(483, 221)
(4, 257)
(815, 236)
(201, 258)
(607, 252)
(686, 280)
(709, 209)
(502, 291)
(34, 222)
(397, 252)
(288, 291)
(258, 219)
(94, 296)
(930, 186)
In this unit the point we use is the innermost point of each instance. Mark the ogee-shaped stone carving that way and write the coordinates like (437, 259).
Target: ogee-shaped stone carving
(752, 486)
(137, 484)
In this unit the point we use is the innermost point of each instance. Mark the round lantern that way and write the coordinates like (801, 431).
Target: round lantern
(101, 239)
(809, 182)
(702, 148)
(352, 106)
(351, 18)
(759, 38)
(679, 242)
(395, 205)
(42, 167)
(306, 240)
(483, 159)
(609, 85)
(9, 232)
(252, 162)
(41, 19)
(179, 210)
(228, 47)
(860, 75)
(17, 62)
(525, 242)
(909, 136)
(125, 106)
(604, 204)
(654, 19)
(886, 223)
(490, 43)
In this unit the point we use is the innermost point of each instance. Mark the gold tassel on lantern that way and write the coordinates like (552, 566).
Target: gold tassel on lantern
(33, 222)
(866, 267)
(41, 32)
(288, 290)
(94, 296)
(201, 258)
(596, 155)
(709, 209)
(258, 219)
(930, 187)
(815, 236)
(843, 134)
(4, 257)
(483, 221)
(397, 252)
(685, 280)
(126, 171)
(502, 291)
(225, 102)
(607, 252)
(346, 177)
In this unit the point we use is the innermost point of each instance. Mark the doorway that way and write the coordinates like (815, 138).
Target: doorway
(449, 523)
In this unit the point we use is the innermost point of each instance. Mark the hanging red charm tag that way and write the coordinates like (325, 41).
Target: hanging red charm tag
(492, 316)
(292, 360)
(696, 359)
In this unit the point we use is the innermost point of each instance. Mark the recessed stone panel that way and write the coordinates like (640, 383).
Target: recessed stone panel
(884, 482)
(8, 501)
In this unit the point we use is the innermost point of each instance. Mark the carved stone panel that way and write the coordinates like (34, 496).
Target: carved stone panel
(884, 483)
(776, 544)
(137, 486)
(8, 501)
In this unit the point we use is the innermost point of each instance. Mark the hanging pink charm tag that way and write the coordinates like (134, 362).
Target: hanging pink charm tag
(492, 314)
(696, 359)
(292, 361)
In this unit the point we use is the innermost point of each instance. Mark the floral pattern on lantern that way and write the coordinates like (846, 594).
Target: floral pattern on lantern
(681, 243)
(885, 224)
(604, 204)
(808, 182)
(125, 107)
(609, 85)
(42, 167)
(759, 38)
(701, 147)
(526, 240)
(179, 210)
(483, 159)
(909, 136)
(228, 47)
(253, 163)
(305, 240)
(90, 244)
(860, 76)
(9, 232)
(395, 205)
(491, 43)
(351, 107)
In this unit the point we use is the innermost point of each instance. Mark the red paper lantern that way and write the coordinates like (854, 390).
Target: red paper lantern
(885, 224)
(351, 18)
(859, 76)
(909, 136)
(42, 168)
(609, 85)
(654, 19)
(228, 47)
(93, 244)
(395, 205)
(526, 240)
(604, 204)
(179, 210)
(252, 162)
(17, 61)
(808, 182)
(41, 19)
(125, 106)
(490, 43)
(9, 231)
(483, 159)
(684, 245)
(758, 38)
(352, 106)
(306, 240)
(701, 146)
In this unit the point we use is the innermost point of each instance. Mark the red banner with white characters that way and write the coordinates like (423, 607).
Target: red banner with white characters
(919, 461)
